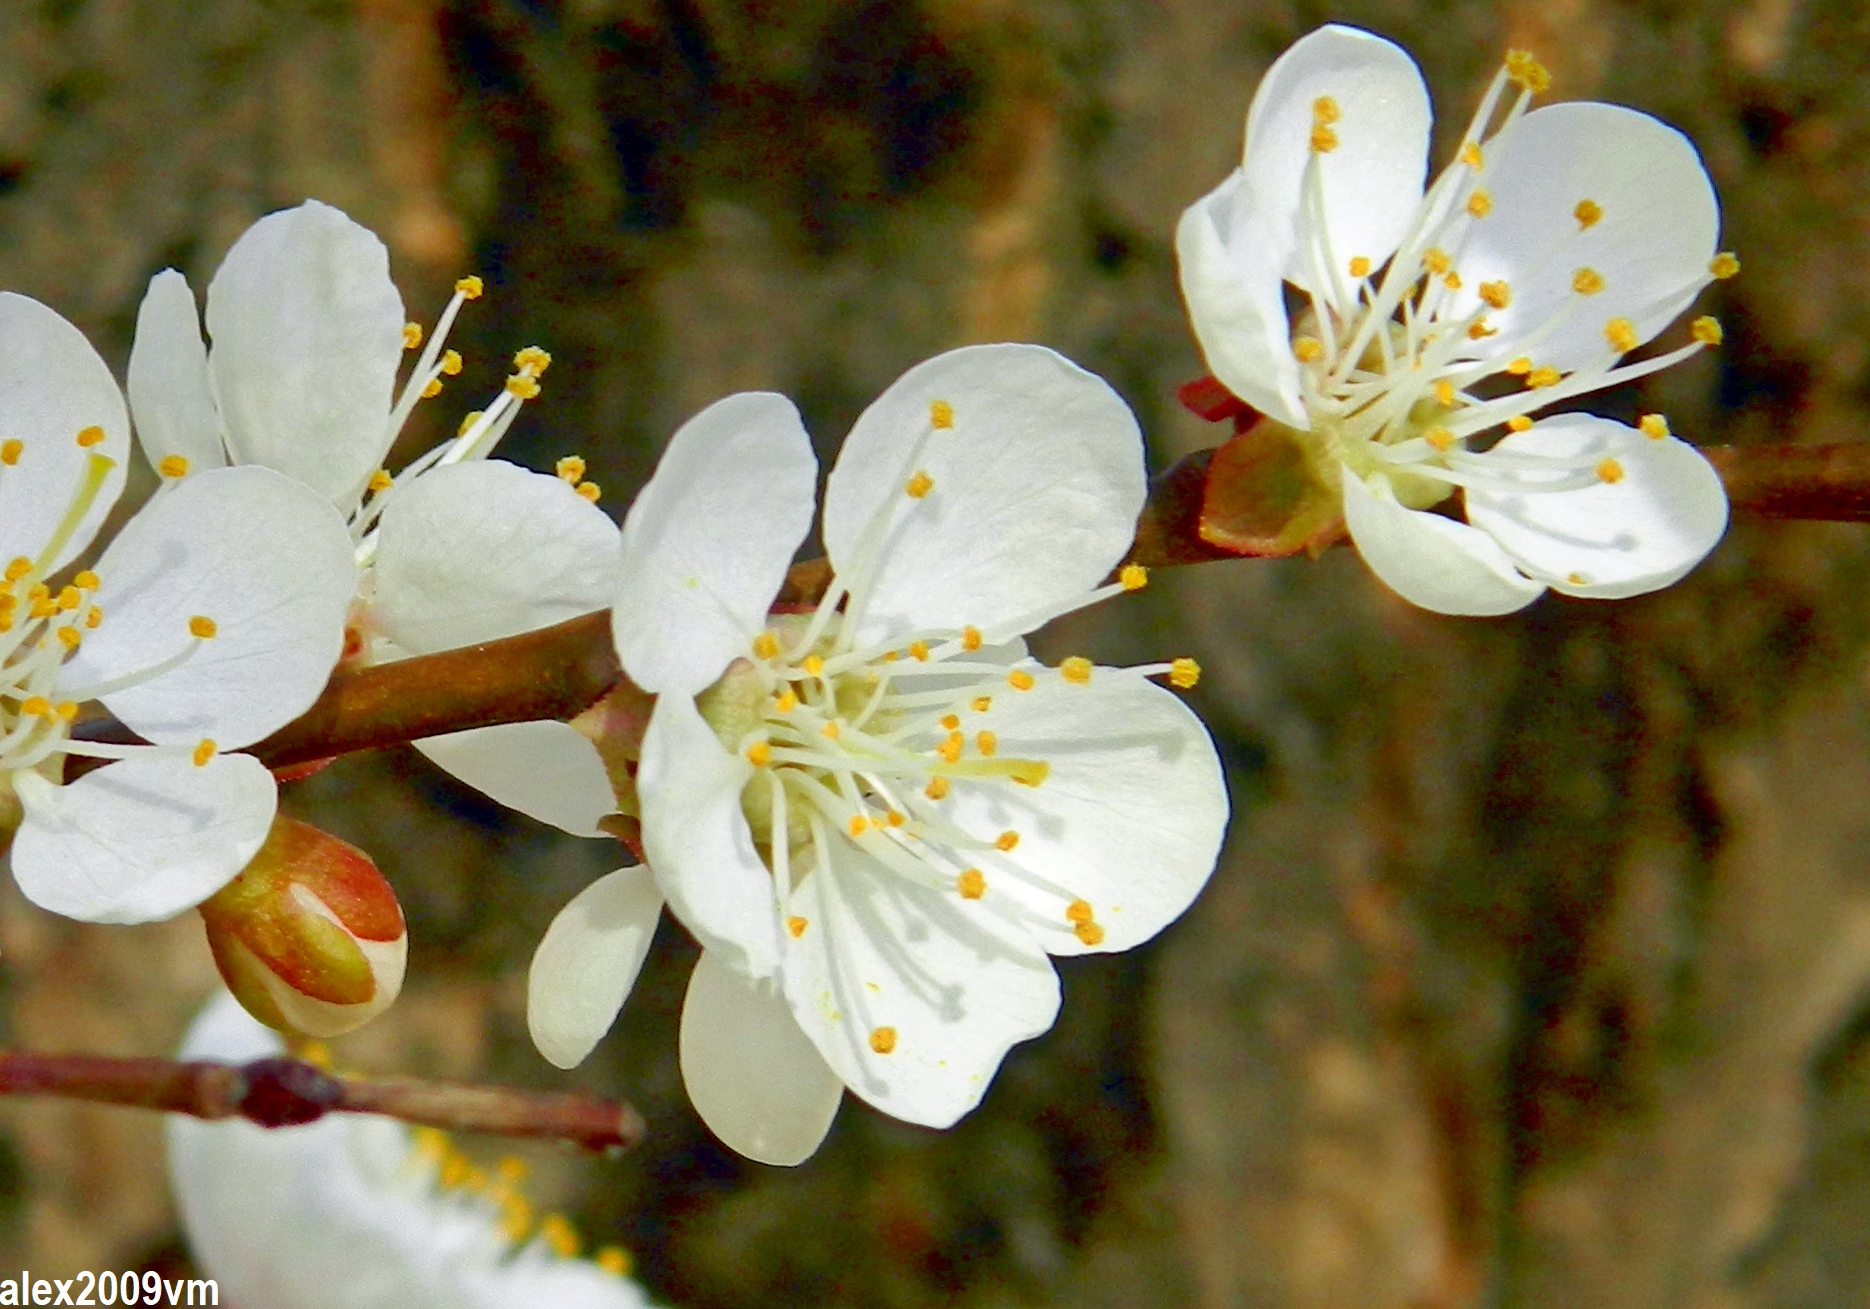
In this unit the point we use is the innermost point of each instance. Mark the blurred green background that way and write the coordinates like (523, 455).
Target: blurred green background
(1537, 971)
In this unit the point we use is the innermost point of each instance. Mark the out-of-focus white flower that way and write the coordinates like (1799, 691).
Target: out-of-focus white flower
(879, 817)
(308, 336)
(358, 1212)
(212, 619)
(1558, 241)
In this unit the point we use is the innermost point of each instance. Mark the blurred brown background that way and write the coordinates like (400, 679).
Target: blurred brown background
(1538, 969)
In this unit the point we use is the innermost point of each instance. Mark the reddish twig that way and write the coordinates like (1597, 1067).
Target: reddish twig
(1828, 483)
(287, 1092)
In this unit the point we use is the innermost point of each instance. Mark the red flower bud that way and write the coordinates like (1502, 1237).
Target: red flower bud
(309, 936)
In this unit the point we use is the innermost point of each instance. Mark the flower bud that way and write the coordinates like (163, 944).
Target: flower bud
(309, 936)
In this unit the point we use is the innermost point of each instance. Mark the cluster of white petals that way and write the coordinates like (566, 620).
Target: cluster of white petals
(1558, 241)
(308, 337)
(358, 1212)
(881, 816)
(212, 619)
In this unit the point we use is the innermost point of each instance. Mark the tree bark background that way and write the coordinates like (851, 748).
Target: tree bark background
(1537, 972)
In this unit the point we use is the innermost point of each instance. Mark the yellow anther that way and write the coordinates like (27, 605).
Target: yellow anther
(986, 743)
(431, 388)
(20, 566)
(950, 721)
(785, 702)
(919, 650)
(919, 485)
(35, 706)
(557, 1232)
(937, 789)
(93, 616)
(1439, 437)
(91, 436)
(1089, 933)
(1518, 423)
(1436, 260)
(1587, 281)
(1480, 204)
(796, 926)
(883, 1039)
(1723, 266)
(522, 386)
(202, 626)
(1609, 470)
(1543, 376)
(1444, 393)
(1497, 294)
(1184, 673)
(760, 754)
(515, 1210)
(66, 710)
(1308, 349)
(381, 481)
(570, 469)
(950, 749)
(469, 287)
(1079, 911)
(614, 1260)
(765, 646)
(1575, 579)
(10, 450)
(1525, 71)
(1471, 155)
(69, 637)
(1006, 840)
(412, 335)
(1451, 280)
(511, 1169)
(1707, 330)
(859, 825)
(831, 730)
(1520, 366)
(814, 665)
(1324, 140)
(532, 361)
(1133, 577)
(891, 656)
(589, 491)
(205, 751)
(981, 704)
(1479, 331)
(1587, 213)
(1325, 111)
(86, 581)
(170, 466)
(1019, 679)
(1621, 333)
(1360, 266)
(70, 598)
(894, 818)
(451, 362)
(972, 884)
(941, 414)
(1653, 426)
(431, 1144)
(971, 638)
(469, 421)
(1076, 669)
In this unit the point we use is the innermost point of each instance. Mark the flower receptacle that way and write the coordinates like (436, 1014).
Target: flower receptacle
(309, 935)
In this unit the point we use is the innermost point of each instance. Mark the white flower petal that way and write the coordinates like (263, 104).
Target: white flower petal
(1433, 561)
(752, 1076)
(708, 541)
(264, 558)
(1233, 283)
(908, 995)
(307, 335)
(1372, 180)
(547, 770)
(52, 387)
(482, 550)
(170, 395)
(1129, 818)
(587, 962)
(697, 840)
(141, 839)
(1651, 246)
(1657, 521)
(1034, 497)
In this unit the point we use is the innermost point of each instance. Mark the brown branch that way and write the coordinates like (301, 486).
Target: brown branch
(1827, 483)
(287, 1092)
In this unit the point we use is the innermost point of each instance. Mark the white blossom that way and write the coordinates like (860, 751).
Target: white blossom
(881, 816)
(1559, 240)
(355, 1211)
(212, 619)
